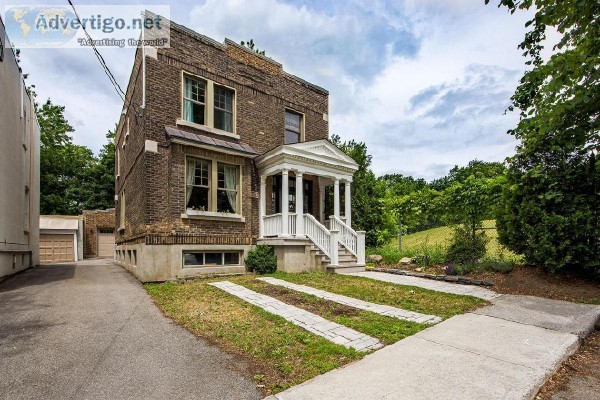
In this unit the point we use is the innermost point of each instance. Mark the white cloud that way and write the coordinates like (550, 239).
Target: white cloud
(377, 58)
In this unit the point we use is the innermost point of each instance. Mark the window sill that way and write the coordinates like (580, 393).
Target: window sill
(211, 215)
(206, 128)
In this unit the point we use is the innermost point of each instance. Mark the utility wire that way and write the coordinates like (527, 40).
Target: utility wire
(104, 66)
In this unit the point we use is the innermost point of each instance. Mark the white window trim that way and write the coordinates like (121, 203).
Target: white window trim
(209, 105)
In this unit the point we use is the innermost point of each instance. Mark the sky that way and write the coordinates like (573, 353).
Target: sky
(424, 83)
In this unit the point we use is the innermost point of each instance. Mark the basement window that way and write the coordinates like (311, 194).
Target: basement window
(210, 258)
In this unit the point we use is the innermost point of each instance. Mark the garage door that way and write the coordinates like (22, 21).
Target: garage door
(106, 242)
(56, 248)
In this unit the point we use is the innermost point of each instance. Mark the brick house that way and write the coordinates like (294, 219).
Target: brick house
(218, 149)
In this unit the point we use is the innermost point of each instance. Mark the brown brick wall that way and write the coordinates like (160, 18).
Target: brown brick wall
(155, 183)
(92, 221)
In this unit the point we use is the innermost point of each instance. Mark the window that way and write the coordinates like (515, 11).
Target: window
(210, 259)
(208, 103)
(277, 190)
(194, 98)
(118, 163)
(198, 184)
(122, 210)
(293, 127)
(223, 109)
(227, 188)
(212, 186)
(26, 209)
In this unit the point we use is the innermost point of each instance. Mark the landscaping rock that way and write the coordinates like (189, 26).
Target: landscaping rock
(405, 261)
(376, 258)
(418, 269)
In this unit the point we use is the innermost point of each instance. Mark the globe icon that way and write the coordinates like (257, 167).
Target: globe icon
(39, 26)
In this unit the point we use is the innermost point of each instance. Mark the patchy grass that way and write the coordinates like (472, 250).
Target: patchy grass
(433, 243)
(279, 354)
(410, 298)
(387, 329)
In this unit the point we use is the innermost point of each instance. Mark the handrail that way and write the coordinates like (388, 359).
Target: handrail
(347, 237)
(319, 235)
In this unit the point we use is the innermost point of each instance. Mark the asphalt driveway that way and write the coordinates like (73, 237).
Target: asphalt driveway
(89, 331)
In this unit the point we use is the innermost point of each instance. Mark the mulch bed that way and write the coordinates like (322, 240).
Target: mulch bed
(579, 376)
(529, 281)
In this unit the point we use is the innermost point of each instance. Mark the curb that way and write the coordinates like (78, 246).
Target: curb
(447, 278)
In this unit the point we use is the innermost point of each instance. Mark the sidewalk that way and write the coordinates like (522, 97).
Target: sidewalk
(503, 351)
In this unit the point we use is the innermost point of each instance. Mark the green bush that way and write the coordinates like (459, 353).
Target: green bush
(261, 259)
(467, 246)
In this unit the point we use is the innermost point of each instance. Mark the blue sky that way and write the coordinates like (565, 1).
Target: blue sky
(423, 82)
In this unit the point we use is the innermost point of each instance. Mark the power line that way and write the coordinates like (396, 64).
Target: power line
(104, 66)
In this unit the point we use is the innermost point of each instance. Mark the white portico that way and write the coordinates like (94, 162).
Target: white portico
(291, 218)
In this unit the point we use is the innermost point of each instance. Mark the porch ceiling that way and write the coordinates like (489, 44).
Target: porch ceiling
(318, 157)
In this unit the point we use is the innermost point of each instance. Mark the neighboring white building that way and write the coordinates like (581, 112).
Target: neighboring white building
(61, 238)
(19, 168)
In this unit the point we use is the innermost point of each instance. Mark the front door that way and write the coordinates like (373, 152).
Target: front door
(308, 195)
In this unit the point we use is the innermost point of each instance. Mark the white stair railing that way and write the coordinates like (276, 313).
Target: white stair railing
(272, 224)
(321, 237)
(349, 238)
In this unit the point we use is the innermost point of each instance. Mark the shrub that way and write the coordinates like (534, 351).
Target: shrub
(467, 246)
(261, 259)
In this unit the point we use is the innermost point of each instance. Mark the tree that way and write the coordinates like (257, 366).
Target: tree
(71, 178)
(550, 206)
(250, 44)
(368, 194)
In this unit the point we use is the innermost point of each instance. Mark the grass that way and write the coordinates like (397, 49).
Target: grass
(433, 243)
(410, 298)
(280, 354)
(387, 329)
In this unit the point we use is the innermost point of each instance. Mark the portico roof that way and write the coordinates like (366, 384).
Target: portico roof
(317, 157)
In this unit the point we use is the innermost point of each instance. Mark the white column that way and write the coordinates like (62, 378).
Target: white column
(336, 197)
(321, 201)
(299, 204)
(347, 204)
(262, 201)
(360, 248)
(285, 191)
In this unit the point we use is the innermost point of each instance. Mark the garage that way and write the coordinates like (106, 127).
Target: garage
(60, 238)
(106, 243)
(57, 248)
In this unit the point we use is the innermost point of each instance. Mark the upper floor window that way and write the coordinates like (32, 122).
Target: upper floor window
(223, 108)
(194, 100)
(293, 127)
(209, 104)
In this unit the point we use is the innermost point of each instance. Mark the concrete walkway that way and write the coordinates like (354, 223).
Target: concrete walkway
(90, 331)
(313, 323)
(381, 309)
(503, 351)
(438, 286)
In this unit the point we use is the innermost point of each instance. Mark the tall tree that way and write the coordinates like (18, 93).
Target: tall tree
(551, 207)
(368, 195)
(71, 178)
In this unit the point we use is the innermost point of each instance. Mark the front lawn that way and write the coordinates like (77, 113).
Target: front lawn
(280, 354)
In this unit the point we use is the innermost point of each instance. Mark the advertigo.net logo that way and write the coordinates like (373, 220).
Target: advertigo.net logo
(99, 25)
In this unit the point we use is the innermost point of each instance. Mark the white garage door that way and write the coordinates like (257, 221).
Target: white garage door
(106, 242)
(56, 248)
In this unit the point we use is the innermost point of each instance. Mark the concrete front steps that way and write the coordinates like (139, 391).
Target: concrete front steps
(347, 262)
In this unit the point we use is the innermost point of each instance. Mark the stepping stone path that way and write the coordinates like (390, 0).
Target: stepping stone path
(360, 304)
(438, 286)
(313, 323)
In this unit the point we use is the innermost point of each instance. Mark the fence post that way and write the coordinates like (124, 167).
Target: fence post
(360, 248)
(333, 245)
